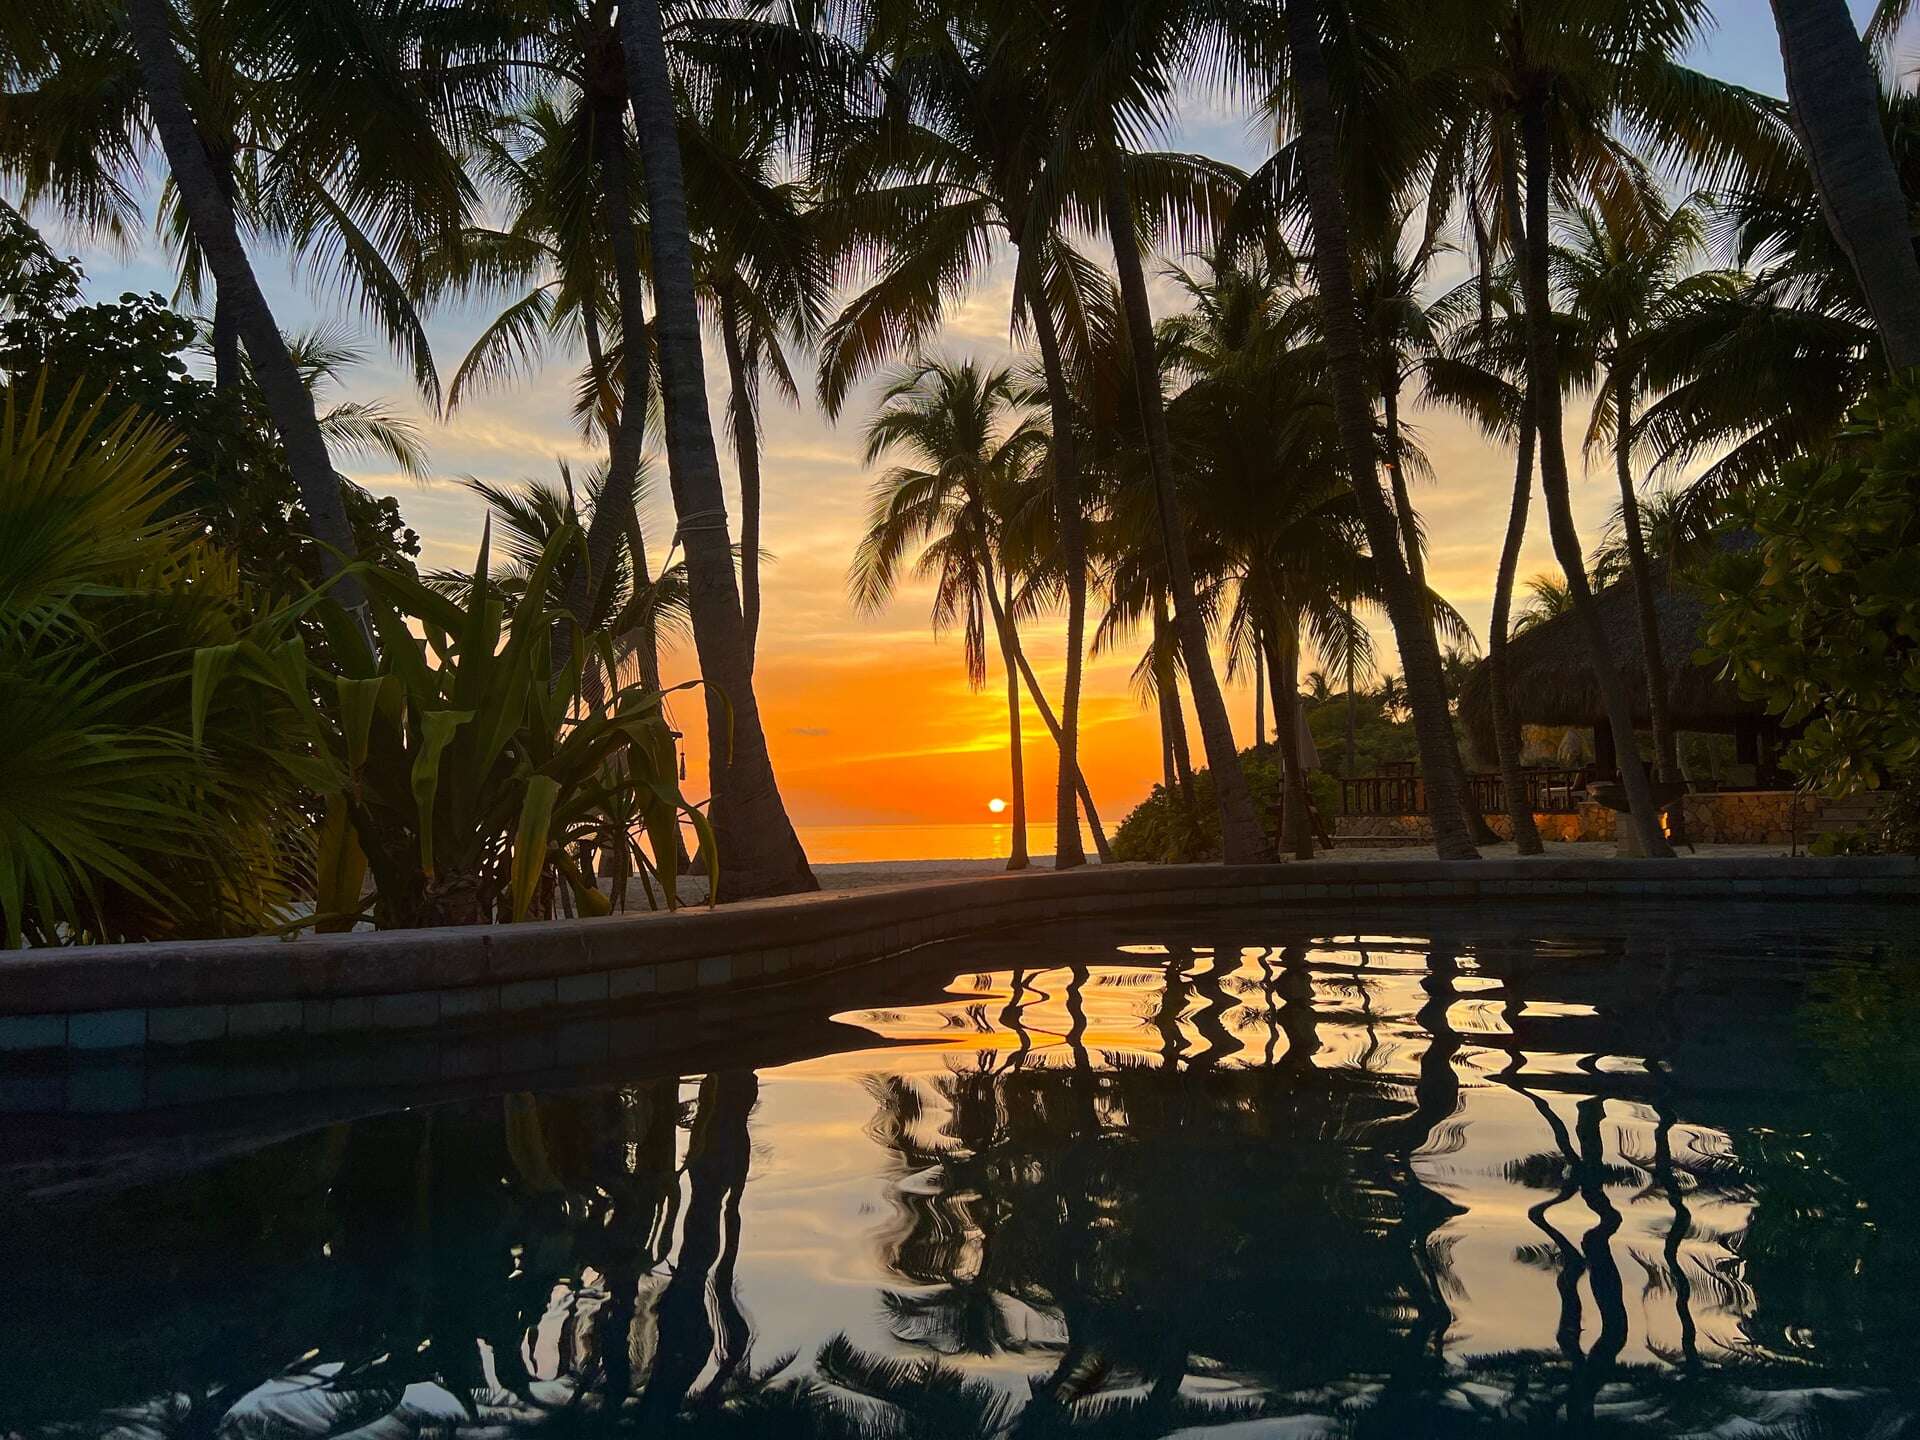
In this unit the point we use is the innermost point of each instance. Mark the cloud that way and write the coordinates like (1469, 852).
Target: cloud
(811, 731)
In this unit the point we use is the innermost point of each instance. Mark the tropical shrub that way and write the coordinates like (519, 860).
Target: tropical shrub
(139, 799)
(470, 777)
(1820, 618)
(232, 477)
(1164, 829)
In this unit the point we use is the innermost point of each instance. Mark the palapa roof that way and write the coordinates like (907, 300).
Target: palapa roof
(1551, 676)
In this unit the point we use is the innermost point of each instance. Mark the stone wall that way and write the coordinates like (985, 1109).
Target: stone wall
(1755, 817)
(1590, 822)
(1752, 817)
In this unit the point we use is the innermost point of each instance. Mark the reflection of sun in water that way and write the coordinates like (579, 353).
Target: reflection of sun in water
(996, 805)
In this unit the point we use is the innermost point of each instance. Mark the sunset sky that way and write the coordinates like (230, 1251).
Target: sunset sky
(870, 718)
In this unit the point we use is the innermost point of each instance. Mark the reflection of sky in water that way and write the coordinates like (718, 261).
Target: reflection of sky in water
(1647, 1151)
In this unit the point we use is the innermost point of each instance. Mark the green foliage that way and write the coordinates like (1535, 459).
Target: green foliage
(1820, 620)
(1163, 829)
(230, 473)
(135, 801)
(469, 779)
(1379, 737)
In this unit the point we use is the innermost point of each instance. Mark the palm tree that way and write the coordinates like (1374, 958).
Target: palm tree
(1623, 282)
(977, 449)
(1109, 68)
(765, 280)
(320, 130)
(1420, 659)
(1831, 85)
(1548, 598)
(751, 827)
(921, 198)
(1480, 373)
(210, 215)
(1273, 519)
(1242, 837)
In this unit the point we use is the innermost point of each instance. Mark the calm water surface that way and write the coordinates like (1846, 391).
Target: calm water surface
(1555, 1173)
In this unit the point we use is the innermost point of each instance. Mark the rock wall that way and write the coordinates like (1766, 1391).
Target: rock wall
(1757, 817)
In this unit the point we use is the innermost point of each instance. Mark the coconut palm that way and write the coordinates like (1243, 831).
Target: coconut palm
(1566, 83)
(923, 199)
(976, 445)
(1480, 372)
(210, 214)
(1304, 89)
(749, 818)
(765, 280)
(639, 609)
(1621, 282)
(1831, 85)
(1272, 518)
(1118, 62)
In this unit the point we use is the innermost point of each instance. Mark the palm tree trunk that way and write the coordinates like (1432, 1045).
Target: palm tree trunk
(226, 344)
(627, 443)
(746, 453)
(211, 217)
(1416, 561)
(1406, 607)
(1003, 623)
(1002, 619)
(1506, 731)
(760, 853)
(1260, 694)
(1665, 744)
(1836, 108)
(597, 367)
(1243, 839)
(1353, 699)
(1296, 829)
(1069, 509)
(1169, 686)
(1166, 740)
(1544, 390)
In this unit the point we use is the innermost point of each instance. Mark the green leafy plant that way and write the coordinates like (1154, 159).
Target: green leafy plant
(150, 779)
(1820, 619)
(472, 775)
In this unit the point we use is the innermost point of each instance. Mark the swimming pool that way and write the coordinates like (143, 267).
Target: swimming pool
(1532, 1170)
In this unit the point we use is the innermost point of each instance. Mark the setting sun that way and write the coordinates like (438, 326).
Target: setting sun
(996, 805)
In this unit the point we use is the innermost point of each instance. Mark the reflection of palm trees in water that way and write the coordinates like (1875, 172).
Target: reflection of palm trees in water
(1238, 1215)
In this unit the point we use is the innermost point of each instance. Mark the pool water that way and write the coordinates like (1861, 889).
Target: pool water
(1552, 1171)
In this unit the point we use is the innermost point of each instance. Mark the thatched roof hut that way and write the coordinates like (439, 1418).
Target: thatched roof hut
(1552, 679)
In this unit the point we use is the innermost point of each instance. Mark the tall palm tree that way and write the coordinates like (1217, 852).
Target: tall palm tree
(751, 826)
(210, 214)
(976, 447)
(1831, 85)
(1550, 91)
(1622, 282)
(1480, 372)
(1420, 658)
(1110, 66)
(764, 278)
(922, 198)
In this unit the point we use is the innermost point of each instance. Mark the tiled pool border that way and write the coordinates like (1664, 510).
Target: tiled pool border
(127, 997)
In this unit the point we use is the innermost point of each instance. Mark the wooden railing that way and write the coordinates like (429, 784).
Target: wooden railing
(1397, 790)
